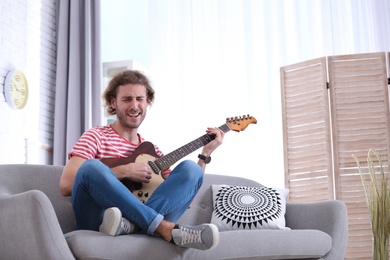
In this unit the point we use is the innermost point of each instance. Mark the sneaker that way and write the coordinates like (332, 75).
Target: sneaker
(202, 237)
(114, 225)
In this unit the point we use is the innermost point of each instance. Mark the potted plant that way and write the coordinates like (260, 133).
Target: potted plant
(378, 201)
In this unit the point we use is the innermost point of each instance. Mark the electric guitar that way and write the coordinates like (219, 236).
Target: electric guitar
(147, 153)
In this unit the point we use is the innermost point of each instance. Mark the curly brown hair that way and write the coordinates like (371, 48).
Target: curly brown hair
(123, 78)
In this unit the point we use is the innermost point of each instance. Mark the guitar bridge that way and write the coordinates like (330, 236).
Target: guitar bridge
(154, 167)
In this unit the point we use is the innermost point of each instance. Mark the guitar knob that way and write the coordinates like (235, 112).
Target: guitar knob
(146, 194)
(140, 193)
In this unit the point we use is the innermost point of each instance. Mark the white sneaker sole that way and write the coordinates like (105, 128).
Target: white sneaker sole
(215, 230)
(111, 221)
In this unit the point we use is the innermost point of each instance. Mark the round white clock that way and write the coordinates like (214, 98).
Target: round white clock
(16, 89)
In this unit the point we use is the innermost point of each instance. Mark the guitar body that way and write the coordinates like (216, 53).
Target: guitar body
(144, 153)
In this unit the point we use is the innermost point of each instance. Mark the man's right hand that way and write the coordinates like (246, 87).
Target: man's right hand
(136, 172)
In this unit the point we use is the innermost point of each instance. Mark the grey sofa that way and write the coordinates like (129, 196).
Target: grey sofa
(36, 222)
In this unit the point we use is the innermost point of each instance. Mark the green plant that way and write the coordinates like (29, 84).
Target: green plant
(377, 193)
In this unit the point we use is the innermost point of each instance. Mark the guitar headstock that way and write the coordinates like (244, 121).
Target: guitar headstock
(240, 123)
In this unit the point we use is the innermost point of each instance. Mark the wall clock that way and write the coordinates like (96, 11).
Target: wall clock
(16, 89)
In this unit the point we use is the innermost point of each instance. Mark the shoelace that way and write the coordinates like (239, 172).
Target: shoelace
(190, 236)
(125, 226)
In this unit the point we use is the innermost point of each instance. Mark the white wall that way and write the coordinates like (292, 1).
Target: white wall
(28, 43)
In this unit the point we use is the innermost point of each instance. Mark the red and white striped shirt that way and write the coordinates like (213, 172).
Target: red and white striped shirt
(104, 142)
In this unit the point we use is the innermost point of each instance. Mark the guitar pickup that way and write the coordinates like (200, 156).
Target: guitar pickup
(154, 167)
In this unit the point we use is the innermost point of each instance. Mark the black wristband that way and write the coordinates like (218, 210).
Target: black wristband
(206, 159)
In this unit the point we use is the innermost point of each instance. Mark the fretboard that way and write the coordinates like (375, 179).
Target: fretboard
(171, 158)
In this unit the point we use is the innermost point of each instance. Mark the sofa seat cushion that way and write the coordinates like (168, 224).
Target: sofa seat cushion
(263, 244)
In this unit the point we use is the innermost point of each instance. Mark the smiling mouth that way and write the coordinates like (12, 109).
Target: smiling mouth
(133, 114)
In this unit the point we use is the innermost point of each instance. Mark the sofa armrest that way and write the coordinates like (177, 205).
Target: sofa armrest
(330, 217)
(29, 228)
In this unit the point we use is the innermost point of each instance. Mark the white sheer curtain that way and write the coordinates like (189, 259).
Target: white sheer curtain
(210, 59)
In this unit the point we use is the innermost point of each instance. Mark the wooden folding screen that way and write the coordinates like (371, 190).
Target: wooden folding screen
(306, 131)
(333, 108)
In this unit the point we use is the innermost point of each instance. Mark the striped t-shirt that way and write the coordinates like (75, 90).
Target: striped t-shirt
(104, 142)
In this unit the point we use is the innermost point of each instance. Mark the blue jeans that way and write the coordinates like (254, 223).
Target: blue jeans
(96, 188)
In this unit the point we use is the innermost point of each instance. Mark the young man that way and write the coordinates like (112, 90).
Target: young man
(99, 198)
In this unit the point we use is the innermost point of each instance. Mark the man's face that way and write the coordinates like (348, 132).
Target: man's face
(130, 104)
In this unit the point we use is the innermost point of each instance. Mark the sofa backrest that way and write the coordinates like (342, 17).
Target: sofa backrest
(19, 178)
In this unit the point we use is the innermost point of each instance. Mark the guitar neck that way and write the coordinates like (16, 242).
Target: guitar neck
(171, 158)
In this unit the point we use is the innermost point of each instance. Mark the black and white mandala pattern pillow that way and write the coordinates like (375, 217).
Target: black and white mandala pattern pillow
(242, 207)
